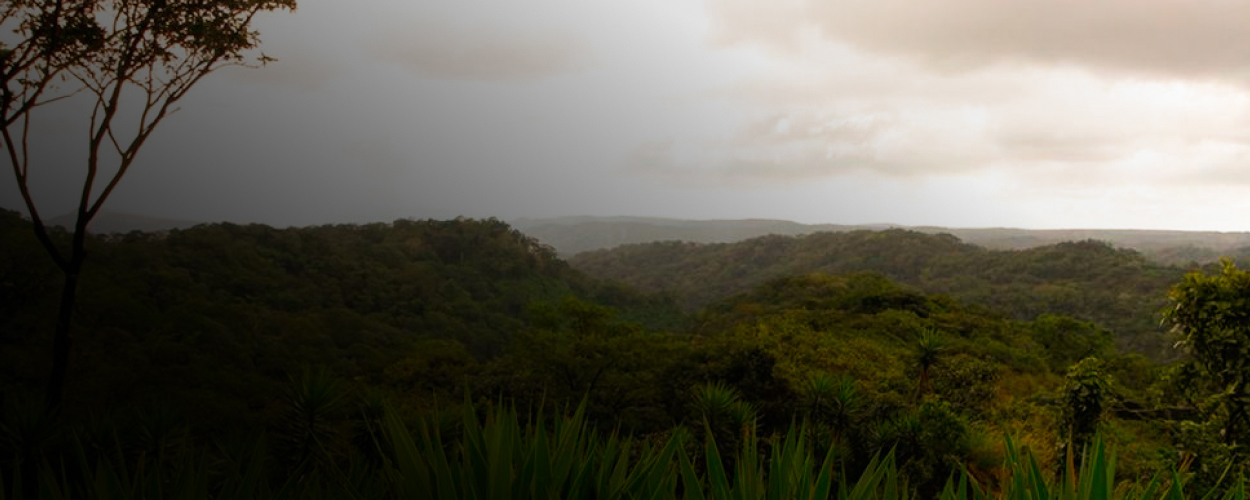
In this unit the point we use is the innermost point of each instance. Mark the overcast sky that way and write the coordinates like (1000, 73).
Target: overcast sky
(1027, 113)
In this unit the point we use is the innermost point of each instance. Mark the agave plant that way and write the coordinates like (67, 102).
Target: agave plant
(312, 405)
(495, 455)
(726, 417)
(160, 430)
(833, 401)
(929, 350)
(1093, 480)
(713, 401)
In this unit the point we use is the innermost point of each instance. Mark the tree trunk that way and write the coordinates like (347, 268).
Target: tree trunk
(63, 340)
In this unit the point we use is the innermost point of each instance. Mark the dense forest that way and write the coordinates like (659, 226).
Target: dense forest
(220, 310)
(464, 359)
(1115, 288)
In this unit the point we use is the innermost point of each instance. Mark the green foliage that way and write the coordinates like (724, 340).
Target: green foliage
(500, 454)
(1082, 402)
(432, 367)
(1067, 340)
(929, 350)
(1118, 290)
(312, 405)
(575, 350)
(832, 401)
(968, 383)
(928, 442)
(494, 456)
(1211, 318)
(835, 413)
(412, 315)
(1095, 479)
(726, 418)
(213, 318)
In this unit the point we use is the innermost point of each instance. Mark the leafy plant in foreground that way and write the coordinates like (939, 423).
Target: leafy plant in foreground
(499, 454)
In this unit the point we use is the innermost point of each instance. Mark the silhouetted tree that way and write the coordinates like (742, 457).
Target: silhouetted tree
(135, 59)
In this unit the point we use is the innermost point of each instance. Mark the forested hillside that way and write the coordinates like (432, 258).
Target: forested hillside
(221, 314)
(308, 352)
(1117, 289)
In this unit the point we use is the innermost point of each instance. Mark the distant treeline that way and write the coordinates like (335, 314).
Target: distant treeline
(574, 235)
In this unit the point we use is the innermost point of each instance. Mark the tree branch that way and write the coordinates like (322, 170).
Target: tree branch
(41, 230)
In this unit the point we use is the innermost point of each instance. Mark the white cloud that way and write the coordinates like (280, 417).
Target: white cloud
(1170, 38)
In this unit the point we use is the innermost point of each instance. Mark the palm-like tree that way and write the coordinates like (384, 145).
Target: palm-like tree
(312, 403)
(727, 419)
(833, 401)
(929, 350)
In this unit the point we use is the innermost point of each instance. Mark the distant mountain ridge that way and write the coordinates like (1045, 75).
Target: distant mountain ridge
(574, 235)
(577, 234)
(106, 222)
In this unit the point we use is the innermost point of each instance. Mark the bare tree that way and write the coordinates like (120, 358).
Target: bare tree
(135, 59)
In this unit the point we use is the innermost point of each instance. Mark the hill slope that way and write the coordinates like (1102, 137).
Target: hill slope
(218, 315)
(1117, 289)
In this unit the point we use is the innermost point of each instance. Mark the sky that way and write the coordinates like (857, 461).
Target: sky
(960, 113)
